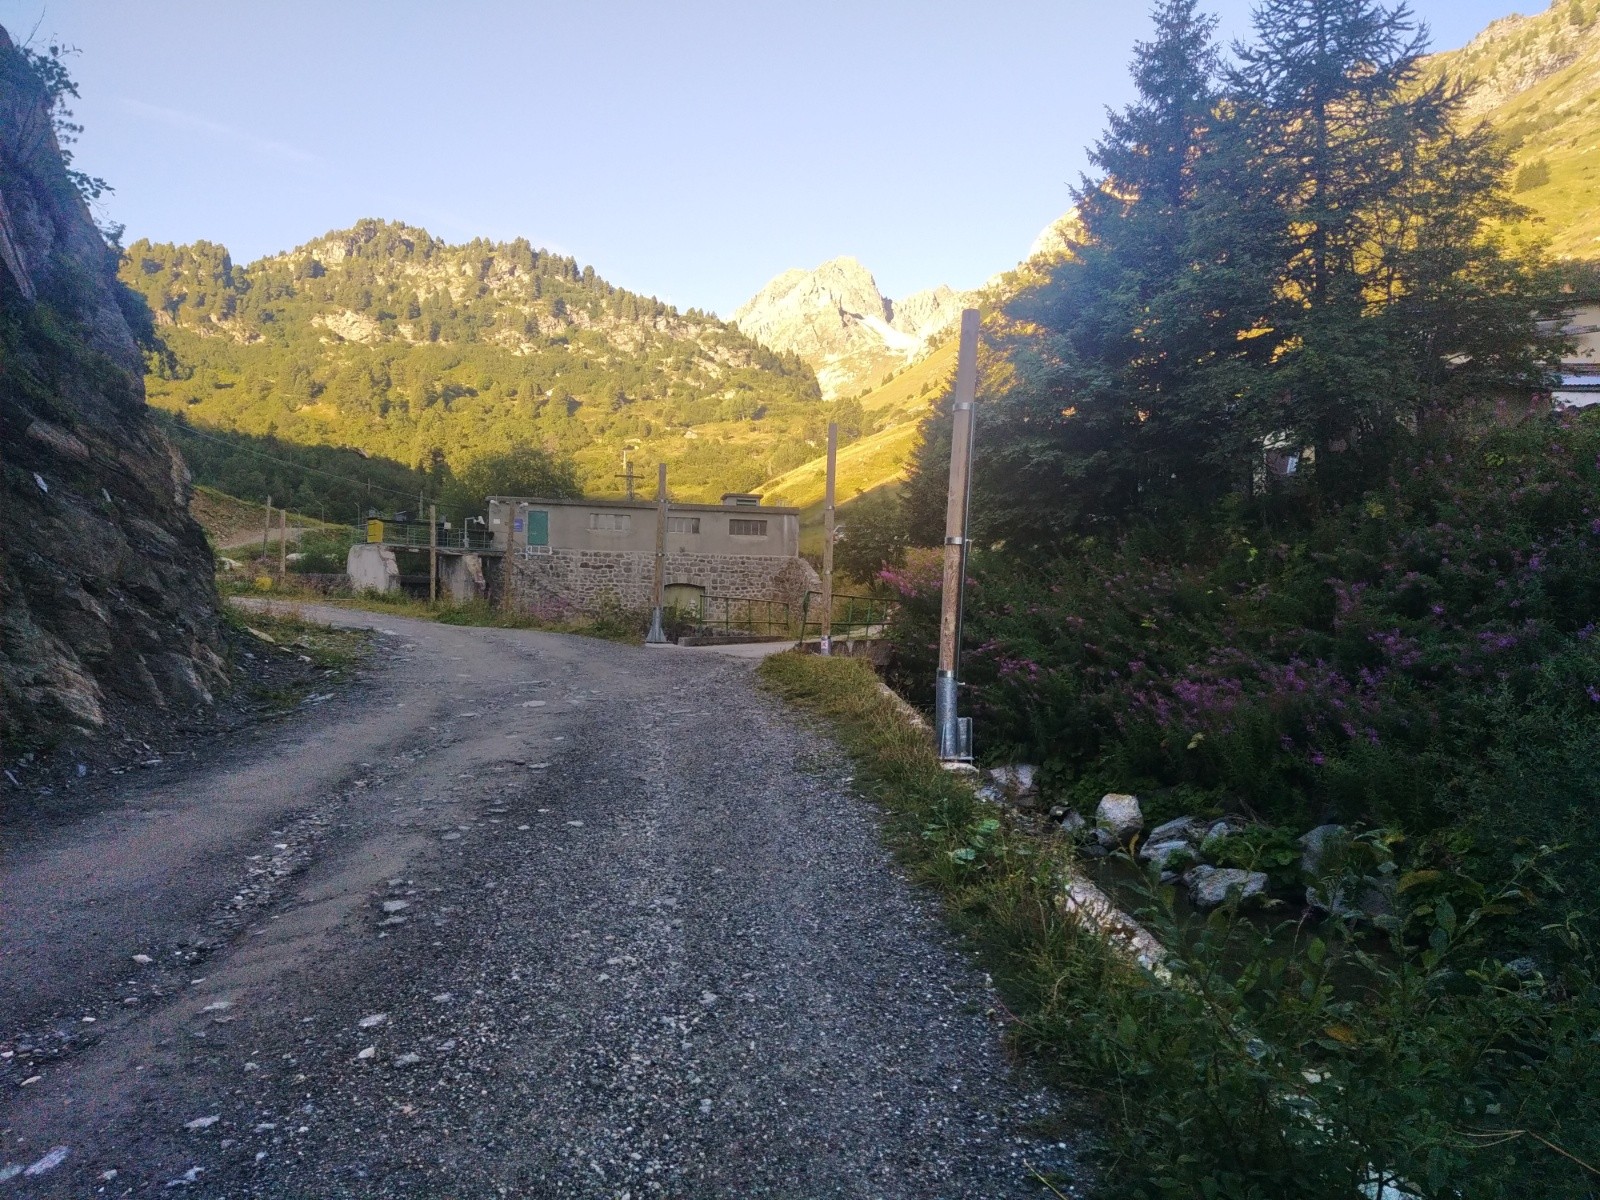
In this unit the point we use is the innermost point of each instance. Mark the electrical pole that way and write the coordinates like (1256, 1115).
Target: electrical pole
(627, 473)
(283, 544)
(433, 553)
(825, 645)
(657, 636)
(954, 732)
(266, 530)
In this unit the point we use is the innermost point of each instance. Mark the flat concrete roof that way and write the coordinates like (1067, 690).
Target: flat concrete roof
(650, 506)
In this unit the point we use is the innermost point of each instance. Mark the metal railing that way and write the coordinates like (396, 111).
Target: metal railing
(414, 535)
(733, 615)
(853, 619)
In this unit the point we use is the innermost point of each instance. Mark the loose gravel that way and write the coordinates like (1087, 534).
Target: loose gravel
(605, 922)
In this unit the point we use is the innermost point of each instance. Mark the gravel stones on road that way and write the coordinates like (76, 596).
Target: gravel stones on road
(678, 963)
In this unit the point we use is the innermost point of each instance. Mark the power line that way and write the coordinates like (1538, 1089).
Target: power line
(185, 427)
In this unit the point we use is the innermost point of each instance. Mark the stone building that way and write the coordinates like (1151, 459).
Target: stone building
(567, 555)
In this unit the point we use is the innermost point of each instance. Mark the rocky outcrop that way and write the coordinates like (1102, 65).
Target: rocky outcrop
(107, 609)
(845, 329)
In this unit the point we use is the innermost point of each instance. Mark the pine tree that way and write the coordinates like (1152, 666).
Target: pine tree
(1389, 281)
(1099, 420)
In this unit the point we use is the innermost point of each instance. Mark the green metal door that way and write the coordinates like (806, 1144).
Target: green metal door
(538, 527)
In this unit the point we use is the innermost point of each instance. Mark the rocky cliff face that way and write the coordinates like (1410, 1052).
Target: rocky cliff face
(107, 609)
(846, 330)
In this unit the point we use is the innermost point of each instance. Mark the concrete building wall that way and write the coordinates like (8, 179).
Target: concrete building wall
(620, 526)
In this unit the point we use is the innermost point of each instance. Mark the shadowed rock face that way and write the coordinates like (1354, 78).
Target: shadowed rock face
(107, 608)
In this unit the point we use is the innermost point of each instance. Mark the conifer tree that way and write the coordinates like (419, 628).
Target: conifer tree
(1100, 419)
(1389, 278)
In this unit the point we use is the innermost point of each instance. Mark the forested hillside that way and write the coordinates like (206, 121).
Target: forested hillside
(385, 339)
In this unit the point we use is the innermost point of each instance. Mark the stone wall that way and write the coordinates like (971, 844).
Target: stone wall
(581, 580)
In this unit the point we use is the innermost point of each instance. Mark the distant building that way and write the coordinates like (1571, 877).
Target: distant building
(577, 554)
(1580, 369)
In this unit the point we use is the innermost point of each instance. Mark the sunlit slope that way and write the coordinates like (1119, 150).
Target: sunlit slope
(880, 458)
(1536, 81)
(230, 521)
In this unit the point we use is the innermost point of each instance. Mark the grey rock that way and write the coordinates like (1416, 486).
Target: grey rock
(1181, 829)
(1320, 846)
(1120, 815)
(1225, 827)
(1212, 886)
(1377, 900)
(1072, 822)
(990, 793)
(1165, 852)
(1018, 781)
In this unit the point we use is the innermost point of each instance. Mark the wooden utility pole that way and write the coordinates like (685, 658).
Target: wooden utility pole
(433, 553)
(657, 635)
(283, 543)
(955, 735)
(825, 646)
(266, 530)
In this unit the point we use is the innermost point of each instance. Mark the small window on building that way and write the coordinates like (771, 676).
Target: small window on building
(741, 527)
(683, 524)
(610, 522)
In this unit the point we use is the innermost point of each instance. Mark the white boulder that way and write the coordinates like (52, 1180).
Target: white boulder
(1120, 816)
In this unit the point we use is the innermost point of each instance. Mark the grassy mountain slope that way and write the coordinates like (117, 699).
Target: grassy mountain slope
(895, 409)
(385, 339)
(1538, 83)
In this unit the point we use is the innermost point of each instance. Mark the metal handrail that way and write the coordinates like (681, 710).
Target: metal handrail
(738, 615)
(414, 535)
(863, 619)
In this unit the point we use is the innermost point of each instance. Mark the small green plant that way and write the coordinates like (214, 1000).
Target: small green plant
(1309, 1059)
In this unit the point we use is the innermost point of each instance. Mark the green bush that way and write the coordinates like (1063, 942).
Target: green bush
(1286, 1058)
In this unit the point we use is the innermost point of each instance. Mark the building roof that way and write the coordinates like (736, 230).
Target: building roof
(737, 510)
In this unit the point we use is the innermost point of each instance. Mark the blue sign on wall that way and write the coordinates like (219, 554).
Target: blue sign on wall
(517, 524)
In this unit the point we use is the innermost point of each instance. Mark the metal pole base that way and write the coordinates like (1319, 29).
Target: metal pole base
(657, 636)
(954, 733)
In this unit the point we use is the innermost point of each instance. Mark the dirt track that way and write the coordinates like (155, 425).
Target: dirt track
(520, 915)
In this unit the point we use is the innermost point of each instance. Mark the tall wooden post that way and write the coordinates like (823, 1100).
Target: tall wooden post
(657, 635)
(825, 645)
(283, 544)
(266, 530)
(955, 740)
(433, 553)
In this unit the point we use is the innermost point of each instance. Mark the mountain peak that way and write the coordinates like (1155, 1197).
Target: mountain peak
(836, 318)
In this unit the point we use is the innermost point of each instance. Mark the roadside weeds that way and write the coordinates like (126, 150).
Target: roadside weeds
(1270, 1056)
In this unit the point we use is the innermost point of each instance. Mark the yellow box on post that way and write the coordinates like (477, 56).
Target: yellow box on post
(374, 531)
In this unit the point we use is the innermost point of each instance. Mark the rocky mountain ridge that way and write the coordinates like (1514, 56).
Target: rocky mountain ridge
(837, 319)
(107, 610)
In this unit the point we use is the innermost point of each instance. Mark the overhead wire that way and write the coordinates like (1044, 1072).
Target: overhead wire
(185, 427)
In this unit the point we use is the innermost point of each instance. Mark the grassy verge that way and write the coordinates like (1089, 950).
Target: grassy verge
(615, 625)
(328, 649)
(1284, 1057)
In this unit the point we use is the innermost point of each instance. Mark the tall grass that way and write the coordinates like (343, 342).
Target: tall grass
(1277, 1058)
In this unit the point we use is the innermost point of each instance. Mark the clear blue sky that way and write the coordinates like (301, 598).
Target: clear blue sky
(689, 149)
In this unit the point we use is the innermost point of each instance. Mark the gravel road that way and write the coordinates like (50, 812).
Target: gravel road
(517, 914)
